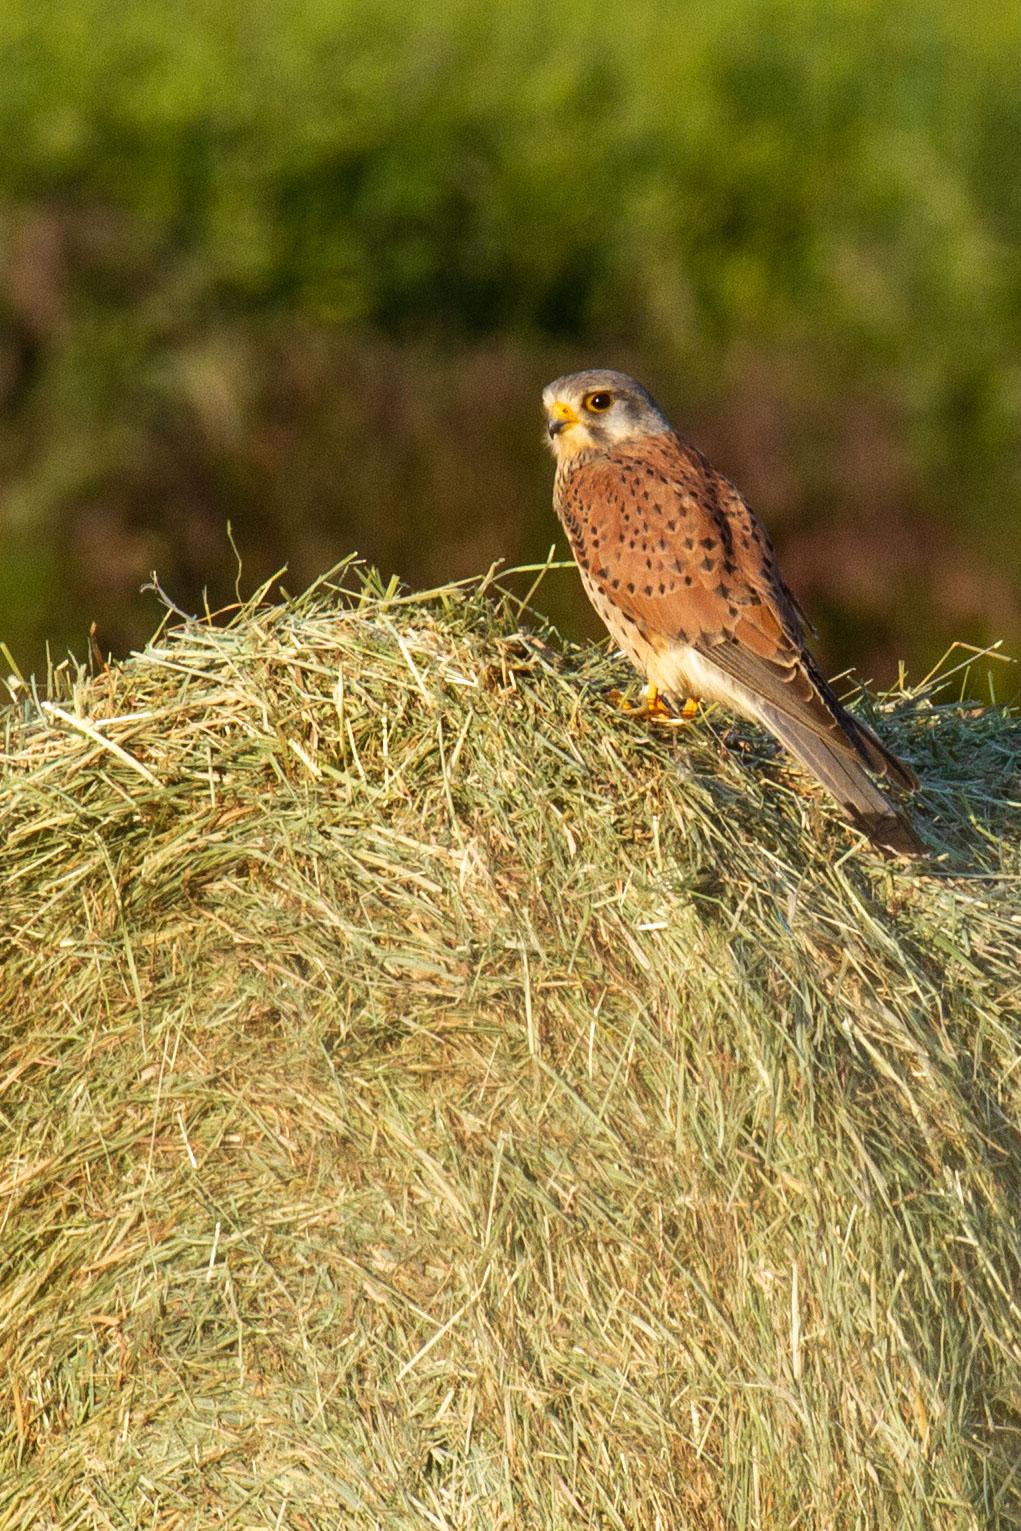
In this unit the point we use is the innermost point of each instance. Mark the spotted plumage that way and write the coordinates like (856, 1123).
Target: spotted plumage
(685, 578)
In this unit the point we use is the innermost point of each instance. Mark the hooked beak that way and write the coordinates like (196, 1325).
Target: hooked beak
(561, 417)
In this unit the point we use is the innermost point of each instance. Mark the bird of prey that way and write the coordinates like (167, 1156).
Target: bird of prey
(684, 576)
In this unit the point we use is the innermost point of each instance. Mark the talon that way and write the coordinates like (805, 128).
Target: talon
(655, 708)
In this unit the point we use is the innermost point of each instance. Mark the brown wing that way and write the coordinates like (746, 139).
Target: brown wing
(677, 549)
(673, 544)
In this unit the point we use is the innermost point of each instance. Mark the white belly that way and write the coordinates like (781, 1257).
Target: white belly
(680, 671)
(673, 668)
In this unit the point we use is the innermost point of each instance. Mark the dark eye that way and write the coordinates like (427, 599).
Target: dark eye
(597, 402)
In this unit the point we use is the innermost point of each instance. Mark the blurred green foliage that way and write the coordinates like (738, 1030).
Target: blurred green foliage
(305, 266)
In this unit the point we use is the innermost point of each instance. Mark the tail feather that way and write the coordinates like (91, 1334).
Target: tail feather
(837, 761)
(795, 703)
(879, 758)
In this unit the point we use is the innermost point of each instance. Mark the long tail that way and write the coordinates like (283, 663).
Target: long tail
(840, 759)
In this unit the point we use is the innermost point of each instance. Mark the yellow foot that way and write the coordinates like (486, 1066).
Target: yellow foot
(655, 708)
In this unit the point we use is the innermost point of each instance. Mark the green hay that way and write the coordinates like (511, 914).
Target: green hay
(432, 1099)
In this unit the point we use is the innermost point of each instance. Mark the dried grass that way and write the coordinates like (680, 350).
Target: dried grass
(432, 1099)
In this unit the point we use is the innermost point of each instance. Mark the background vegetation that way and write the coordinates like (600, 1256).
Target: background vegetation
(304, 265)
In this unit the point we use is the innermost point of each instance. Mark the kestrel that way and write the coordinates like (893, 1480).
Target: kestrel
(685, 578)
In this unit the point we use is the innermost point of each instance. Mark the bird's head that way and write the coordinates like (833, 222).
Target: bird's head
(594, 411)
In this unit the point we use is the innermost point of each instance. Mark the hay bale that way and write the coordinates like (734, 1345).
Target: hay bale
(432, 1099)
